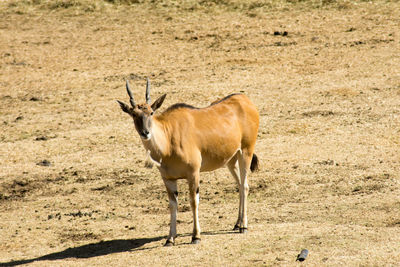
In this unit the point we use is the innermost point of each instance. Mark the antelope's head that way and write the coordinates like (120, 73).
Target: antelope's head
(142, 114)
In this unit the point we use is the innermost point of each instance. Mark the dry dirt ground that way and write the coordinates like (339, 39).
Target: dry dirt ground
(325, 76)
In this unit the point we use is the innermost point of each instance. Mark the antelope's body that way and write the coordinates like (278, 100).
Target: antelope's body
(184, 141)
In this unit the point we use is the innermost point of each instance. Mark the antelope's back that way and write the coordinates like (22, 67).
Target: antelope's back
(229, 119)
(216, 131)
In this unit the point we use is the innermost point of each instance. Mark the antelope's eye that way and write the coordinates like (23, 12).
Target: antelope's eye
(152, 113)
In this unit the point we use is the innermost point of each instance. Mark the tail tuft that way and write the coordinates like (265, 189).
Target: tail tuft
(254, 166)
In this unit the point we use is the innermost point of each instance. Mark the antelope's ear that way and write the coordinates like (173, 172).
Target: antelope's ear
(158, 102)
(124, 107)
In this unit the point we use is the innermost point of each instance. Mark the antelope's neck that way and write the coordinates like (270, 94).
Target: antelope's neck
(158, 144)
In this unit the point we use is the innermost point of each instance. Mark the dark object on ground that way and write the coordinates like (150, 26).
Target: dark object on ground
(41, 138)
(303, 255)
(45, 163)
(285, 33)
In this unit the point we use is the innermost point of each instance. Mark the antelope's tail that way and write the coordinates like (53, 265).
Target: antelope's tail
(254, 166)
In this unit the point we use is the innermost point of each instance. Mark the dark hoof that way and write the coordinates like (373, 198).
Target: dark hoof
(195, 241)
(169, 243)
(243, 230)
(236, 227)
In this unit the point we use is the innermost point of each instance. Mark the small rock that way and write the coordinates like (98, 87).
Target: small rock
(41, 138)
(34, 98)
(45, 163)
(284, 33)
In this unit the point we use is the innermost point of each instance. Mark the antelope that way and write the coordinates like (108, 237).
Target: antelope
(184, 140)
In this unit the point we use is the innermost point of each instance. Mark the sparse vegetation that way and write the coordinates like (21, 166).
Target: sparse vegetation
(246, 6)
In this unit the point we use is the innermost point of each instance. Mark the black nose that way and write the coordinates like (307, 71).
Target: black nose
(145, 132)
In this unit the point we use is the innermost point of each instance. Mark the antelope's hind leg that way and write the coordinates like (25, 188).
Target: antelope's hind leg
(172, 190)
(244, 165)
(233, 167)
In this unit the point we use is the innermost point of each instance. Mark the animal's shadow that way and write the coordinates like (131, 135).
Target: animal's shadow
(102, 248)
(91, 250)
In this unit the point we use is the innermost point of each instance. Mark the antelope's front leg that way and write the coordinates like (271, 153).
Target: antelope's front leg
(194, 192)
(172, 190)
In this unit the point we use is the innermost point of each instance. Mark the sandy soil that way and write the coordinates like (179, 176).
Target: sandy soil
(325, 77)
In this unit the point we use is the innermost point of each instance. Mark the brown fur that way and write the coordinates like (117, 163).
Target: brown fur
(194, 134)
